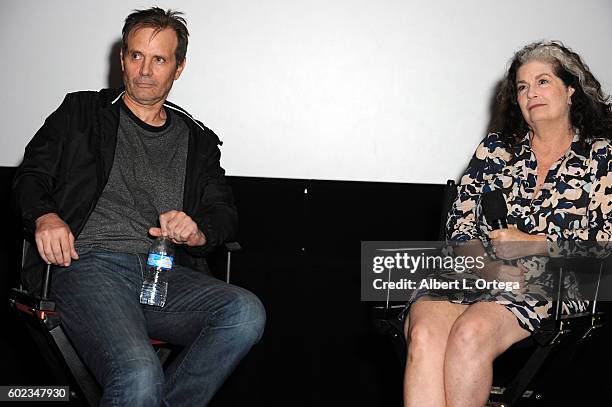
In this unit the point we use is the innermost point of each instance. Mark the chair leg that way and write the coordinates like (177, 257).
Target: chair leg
(51, 356)
(393, 330)
(163, 354)
(89, 386)
(59, 353)
(524, 377)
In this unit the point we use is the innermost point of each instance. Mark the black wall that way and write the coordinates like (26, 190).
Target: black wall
(301, 249)
(301, 255)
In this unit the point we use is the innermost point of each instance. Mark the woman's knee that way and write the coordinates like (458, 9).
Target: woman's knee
(426, 337)
(428, 324)
(472, 335)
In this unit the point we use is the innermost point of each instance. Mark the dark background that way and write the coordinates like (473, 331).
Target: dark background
(301, 250)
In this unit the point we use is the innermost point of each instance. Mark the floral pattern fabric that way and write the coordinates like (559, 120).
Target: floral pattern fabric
(573, 205)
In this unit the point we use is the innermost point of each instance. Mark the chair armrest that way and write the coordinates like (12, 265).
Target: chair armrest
(233, 246)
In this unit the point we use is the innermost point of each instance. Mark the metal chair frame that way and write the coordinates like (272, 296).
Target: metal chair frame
(44, 325)
(554, 332)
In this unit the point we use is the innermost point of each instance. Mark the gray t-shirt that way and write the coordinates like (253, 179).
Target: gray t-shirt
(146, 179)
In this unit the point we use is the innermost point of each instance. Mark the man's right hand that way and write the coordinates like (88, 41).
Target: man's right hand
(54, 240)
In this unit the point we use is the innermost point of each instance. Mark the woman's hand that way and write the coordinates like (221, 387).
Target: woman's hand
(511, 274)
(511, 243)
(498, 271)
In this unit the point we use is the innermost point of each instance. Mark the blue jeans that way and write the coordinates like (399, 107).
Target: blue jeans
(217, 323)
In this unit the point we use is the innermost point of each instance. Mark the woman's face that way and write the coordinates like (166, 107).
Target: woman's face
(542, 95)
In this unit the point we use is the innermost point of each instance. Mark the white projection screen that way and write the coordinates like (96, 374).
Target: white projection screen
(394, 91)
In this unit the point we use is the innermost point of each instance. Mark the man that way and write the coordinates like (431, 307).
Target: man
(106, 173)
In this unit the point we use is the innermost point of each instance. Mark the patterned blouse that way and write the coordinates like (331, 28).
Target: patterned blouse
(574, 203)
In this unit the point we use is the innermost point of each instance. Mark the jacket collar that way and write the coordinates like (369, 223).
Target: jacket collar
(167, 104)
(118, 97)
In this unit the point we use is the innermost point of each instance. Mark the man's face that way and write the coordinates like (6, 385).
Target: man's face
(149, 65)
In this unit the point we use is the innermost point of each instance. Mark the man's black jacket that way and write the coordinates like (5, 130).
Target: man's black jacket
(67, 164)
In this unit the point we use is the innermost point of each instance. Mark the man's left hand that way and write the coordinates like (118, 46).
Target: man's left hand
(179, 228)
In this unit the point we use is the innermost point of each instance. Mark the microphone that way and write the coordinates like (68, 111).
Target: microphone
(494, 208)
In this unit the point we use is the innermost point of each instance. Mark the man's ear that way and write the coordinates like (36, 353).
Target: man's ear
(121, 60)
(179, 69)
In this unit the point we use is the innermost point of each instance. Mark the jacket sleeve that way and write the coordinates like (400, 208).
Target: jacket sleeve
(35, 179)
(216, 215)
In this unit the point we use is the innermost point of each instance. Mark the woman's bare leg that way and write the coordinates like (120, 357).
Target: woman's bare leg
(480, 334)
(427, 328)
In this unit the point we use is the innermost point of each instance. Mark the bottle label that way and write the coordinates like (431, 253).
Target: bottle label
(160, 260)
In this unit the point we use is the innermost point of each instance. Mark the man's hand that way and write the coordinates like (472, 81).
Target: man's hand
(512, 244)
(179, 228)
(54, 240)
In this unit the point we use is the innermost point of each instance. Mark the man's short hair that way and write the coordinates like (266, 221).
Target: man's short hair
(159, 19)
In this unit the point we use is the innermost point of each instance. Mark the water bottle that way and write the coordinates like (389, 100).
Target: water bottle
(159, 264)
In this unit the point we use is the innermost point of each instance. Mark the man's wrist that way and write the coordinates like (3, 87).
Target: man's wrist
(48, 215)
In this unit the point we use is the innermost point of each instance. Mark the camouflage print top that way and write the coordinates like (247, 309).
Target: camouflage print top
(573, 204)
(573, 208)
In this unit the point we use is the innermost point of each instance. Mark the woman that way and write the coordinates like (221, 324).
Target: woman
(551, 157)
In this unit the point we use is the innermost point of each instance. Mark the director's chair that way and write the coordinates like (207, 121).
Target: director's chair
(44, 325)
(556, 343)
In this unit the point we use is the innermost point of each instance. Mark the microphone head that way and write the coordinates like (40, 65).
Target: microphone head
(494, 206)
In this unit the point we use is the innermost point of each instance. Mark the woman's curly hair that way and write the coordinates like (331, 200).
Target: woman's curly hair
(590, 112)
